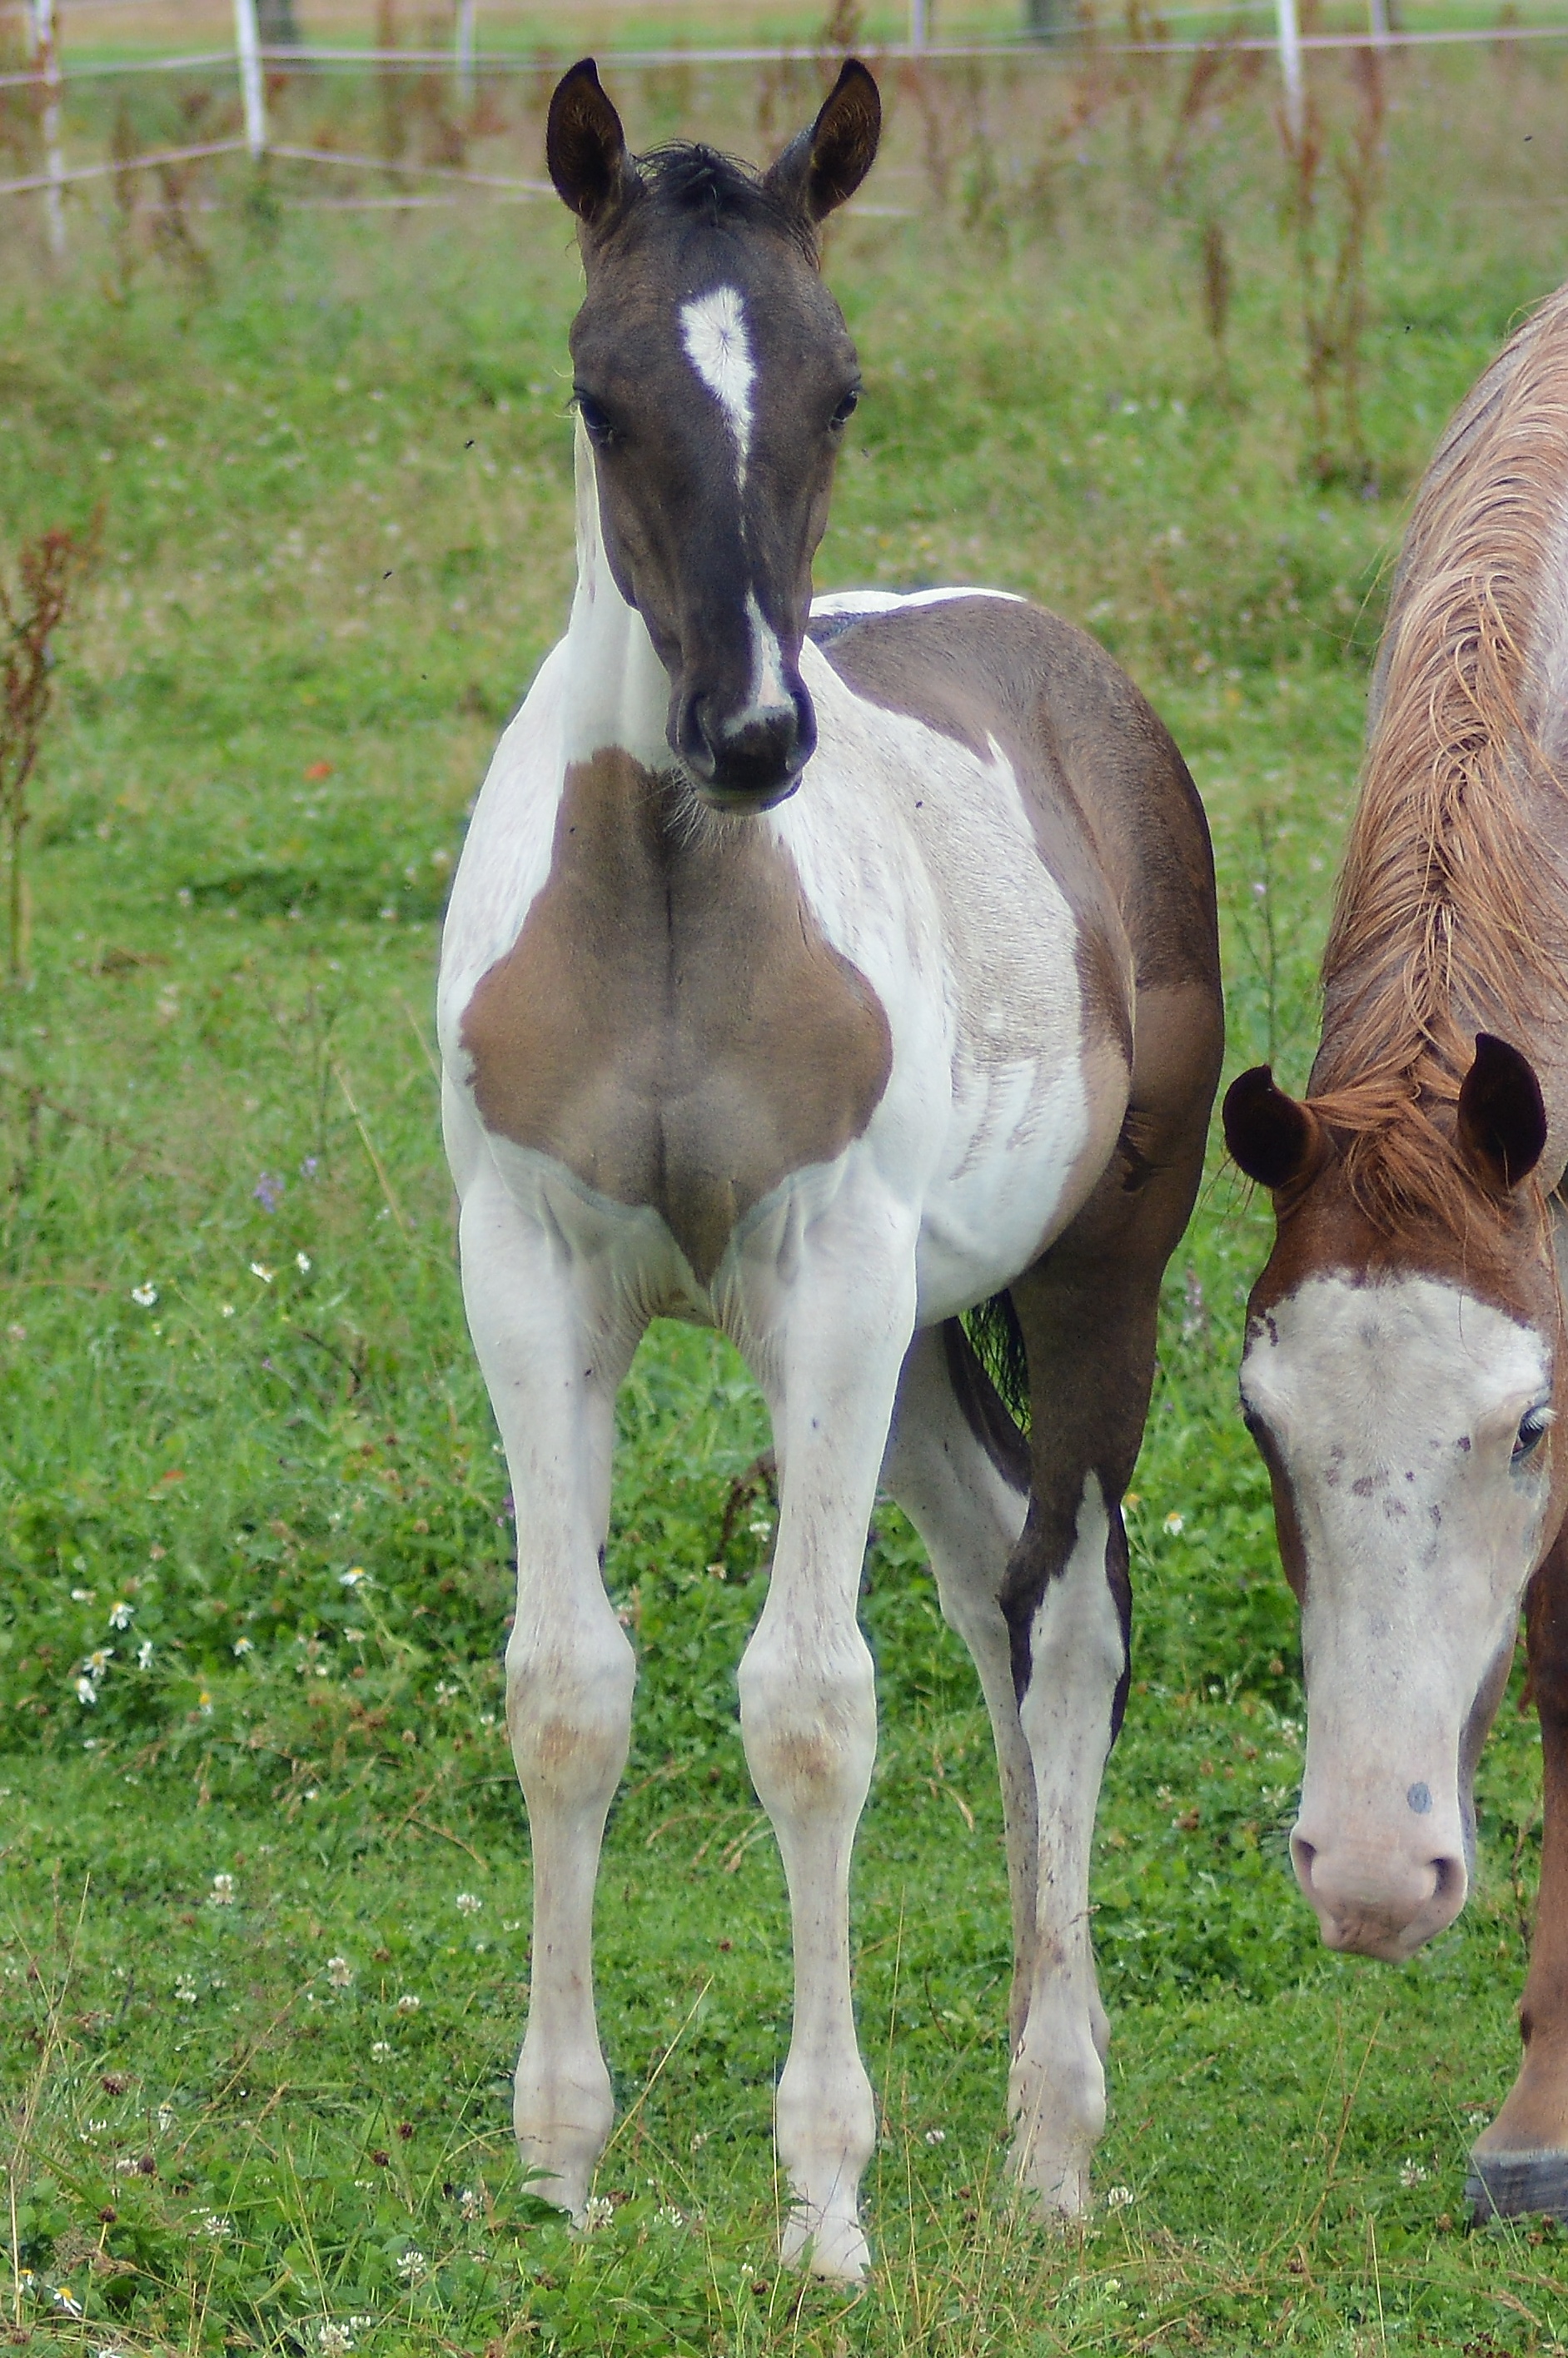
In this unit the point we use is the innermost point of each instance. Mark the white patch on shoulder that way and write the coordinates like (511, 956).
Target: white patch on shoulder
(713, 330)
(886, 602)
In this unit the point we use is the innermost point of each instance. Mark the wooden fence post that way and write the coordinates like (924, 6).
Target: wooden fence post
(465, 52)
(252, 90)
(46, 56)
(1289, 34)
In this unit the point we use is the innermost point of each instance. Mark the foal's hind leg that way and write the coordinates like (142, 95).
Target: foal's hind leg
(959, 1468)
(1087, 1311)
(552, 1372)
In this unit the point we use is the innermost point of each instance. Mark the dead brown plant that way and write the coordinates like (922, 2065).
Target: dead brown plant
(49, 570)
(1334, 177)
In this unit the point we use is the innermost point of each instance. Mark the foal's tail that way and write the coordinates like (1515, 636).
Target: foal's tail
(990, 1373)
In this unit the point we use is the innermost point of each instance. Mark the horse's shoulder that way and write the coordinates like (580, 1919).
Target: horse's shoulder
(1112, 798)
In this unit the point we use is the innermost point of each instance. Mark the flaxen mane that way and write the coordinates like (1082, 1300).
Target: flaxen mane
(1452, 910)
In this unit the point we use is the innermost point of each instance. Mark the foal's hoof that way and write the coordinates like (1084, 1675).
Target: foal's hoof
(1517, 2185)
(831, 2245)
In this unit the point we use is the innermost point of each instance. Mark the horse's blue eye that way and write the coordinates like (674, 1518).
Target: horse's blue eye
(1532, 1429)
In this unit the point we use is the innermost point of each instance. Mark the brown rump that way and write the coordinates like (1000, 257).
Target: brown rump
(1450, 911)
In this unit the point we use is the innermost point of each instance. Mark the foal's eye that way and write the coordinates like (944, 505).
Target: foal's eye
(847, 408)
(1532, 1427)
(596, 423)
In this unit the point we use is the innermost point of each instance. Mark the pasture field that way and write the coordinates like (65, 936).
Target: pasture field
(264, 1947)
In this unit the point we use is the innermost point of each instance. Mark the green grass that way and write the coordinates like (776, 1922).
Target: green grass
(333, 471)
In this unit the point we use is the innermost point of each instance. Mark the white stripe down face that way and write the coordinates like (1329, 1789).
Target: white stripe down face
(713, 330)
(1404, 1423)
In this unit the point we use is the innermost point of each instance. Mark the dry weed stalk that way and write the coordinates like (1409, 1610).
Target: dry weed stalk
(1331, 260)
(50, 569)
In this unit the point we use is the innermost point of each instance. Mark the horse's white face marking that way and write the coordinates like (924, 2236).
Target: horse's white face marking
(1392, 1411)
(713, 330)
(769, 688)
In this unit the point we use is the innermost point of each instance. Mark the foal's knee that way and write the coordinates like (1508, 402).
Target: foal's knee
(810, 1724)
(568, 1709)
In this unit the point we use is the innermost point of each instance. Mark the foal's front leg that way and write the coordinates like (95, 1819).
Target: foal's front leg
(552, 1370)
(807, 1689)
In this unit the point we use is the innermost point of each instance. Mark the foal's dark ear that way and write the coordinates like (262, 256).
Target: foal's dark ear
(585, 147)
(818, 171)
(1502, 1119)
(1271, 1138)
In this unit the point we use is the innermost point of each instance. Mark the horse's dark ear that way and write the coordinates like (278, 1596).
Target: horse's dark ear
(585, 147)
(822, 168)
(1271, 1138)
(1502, 1119)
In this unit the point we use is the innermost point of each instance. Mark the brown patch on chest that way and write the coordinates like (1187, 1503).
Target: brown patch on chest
(671, 1023)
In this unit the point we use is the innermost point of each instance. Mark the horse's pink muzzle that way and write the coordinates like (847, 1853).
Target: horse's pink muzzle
(1376, 1892)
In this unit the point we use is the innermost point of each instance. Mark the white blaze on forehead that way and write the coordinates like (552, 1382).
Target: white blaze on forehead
(713, 330)
(1380, 1369)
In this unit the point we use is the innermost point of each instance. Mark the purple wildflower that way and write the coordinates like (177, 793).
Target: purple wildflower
(268, 1191)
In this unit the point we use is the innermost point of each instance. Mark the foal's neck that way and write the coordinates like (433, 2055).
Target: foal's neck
(617, 691)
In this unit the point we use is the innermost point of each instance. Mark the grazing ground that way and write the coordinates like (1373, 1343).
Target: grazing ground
(264, 1951)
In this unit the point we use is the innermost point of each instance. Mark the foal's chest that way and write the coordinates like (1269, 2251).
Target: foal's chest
(670, 1024)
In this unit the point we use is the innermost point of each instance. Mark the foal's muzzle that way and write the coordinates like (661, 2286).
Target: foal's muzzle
(750, 760)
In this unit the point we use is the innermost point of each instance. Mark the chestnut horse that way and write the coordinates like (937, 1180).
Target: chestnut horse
(817, 977)
(1404, 1365)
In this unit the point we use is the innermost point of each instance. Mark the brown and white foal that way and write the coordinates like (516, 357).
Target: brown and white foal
(1405, 1366)
(823, 1068)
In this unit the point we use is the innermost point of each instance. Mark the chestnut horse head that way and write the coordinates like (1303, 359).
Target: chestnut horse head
(1404, 1368)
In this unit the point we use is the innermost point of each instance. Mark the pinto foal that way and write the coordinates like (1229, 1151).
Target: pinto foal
(1405, 1361)
(823, 1069)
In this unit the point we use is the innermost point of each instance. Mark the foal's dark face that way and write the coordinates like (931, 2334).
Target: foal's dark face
(715, 376)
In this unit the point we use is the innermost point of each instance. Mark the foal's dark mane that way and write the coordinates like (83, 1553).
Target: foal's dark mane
(1451, 909)
(683, 176)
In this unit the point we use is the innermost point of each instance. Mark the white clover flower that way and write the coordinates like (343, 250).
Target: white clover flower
(144, 1654)
(127, 2165)
(334, 2341)
(222, 1891)
(1175, 1523)
(355, 1574)
(185, 1994)
(935, 2137)
(120, 1614)
(1412, 2174)
(340, 1972)
(597, 2211)
(145, 1294)
(1118, 2197)
(302, 1263)
(243, 1646)
(259, 1269)
(407, 2004)
(164, 2118)
(670, 2217)
(212, 2225)
(380, 2050)
(469, 1903)
(412, 2264)
(469, 2204)
(85, 1691)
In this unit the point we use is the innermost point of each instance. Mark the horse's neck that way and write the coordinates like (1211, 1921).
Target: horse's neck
(617, 690)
